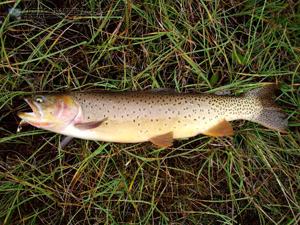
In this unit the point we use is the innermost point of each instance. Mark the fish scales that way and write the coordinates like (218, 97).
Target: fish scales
(142, 115)
(161, 116)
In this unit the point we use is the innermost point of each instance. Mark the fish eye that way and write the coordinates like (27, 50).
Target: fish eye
(39, 99)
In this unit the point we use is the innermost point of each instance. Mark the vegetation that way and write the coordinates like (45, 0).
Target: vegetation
(192, 46)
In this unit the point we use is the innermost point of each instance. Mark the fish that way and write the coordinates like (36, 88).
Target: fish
(156, 115)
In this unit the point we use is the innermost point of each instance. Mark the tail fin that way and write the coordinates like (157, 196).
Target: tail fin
(271, 115)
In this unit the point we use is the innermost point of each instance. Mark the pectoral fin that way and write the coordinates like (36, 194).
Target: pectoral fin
(164, 140)
(89, 125)
(221, 129)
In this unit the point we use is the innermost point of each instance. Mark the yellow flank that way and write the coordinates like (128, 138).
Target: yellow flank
(158, 116)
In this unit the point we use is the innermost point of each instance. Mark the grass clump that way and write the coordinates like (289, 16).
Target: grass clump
(195, 46)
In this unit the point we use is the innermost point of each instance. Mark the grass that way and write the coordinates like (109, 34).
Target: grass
(191, 46)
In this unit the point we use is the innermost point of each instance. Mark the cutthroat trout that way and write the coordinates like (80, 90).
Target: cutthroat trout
(157, 115)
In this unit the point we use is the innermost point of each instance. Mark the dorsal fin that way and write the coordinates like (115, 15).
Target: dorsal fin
(163, 90)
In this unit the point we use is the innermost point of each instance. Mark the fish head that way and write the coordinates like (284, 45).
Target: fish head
(51, 111)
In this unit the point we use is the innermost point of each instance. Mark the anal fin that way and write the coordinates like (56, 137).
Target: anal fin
(89, 125)
(164, 140)
(221, 129)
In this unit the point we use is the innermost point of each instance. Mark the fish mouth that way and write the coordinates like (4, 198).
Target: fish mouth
(35, 117)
